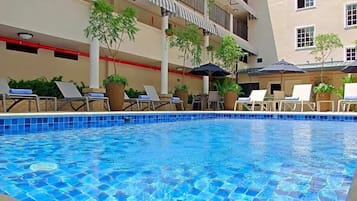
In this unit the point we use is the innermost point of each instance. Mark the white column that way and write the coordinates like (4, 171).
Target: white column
(94, 64)
(205, 84)
(164, 55)
(205, 81)
(206, 78)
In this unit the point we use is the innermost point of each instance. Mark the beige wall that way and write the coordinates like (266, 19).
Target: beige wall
(20, 65)
(273, 33)
(289, 80)
(57, 20)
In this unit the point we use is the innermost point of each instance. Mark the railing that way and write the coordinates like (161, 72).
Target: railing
(240, 29)
(195, 5)
(220, 16)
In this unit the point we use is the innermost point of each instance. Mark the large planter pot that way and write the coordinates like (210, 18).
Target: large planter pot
(230, 99)
(183, 95)
(115, 93)
(321, 97)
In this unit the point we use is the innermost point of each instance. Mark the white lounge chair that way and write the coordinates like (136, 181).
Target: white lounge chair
(349, 98)
(17, 95)
(137, 101)
(256, 97)
(301, 96)
(154, 97)
(71, 93)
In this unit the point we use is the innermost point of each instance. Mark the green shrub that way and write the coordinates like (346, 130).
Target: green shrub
(182, 87)
(340, 92)
(133, 93)
(225, 85)
(40, 86)
(324, 88)
(115, 78)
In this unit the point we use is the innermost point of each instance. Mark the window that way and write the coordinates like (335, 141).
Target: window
(21, 48)
(305, 4)
(351, 14)
(305, 37)
(274, 87)
(248, 87)
(350, 53)
(65, 55)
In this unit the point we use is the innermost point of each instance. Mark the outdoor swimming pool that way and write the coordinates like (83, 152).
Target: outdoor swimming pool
(212, 159)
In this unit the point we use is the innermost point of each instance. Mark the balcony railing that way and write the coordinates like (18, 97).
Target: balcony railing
(195, 5)
(219, 16)
(240, 29)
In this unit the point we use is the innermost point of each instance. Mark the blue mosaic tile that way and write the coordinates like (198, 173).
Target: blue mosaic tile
(252, 192)
(222, 192)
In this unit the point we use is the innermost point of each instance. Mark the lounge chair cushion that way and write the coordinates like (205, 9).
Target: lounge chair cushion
(244, 99)
(144, 97)
(20, 91)
(175, 99)
(351, 98)
(291, 98)
(96, 94)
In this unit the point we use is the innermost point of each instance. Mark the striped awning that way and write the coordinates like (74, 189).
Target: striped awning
(166, 4)
(190, 16)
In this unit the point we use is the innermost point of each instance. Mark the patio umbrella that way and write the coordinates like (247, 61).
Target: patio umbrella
(282, 67)
(350, 68)
(209, 69)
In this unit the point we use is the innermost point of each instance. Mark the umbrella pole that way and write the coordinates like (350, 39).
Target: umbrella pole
(281, 82)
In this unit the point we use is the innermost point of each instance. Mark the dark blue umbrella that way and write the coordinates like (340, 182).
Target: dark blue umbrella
(209, 69)
(281, 67)
(350, 68)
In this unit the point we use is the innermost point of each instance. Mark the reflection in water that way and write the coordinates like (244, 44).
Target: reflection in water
(301, 140)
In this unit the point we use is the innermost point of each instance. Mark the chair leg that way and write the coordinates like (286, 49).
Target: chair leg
(4, 103)
(235, 106)
(108, 106)
(87, 104)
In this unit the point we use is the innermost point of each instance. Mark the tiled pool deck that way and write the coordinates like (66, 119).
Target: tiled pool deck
(19, 123)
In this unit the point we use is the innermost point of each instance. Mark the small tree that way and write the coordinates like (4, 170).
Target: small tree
(188, 40)
(324, 44)
(229, 52)
(111, 28)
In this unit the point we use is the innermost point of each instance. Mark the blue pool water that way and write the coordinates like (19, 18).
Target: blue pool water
(222, 159)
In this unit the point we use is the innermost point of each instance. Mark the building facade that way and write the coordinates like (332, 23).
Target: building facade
(268, 31)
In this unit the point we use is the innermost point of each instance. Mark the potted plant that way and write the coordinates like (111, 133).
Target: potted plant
(229, 90)
(229, 53)
(188, 40)
(324, 44)
(111, 29)
(115, 85)
(181, 91)
(169, 32)
(323, 92)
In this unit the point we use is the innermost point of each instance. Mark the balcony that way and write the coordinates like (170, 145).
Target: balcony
(195, 5)
(240, 29)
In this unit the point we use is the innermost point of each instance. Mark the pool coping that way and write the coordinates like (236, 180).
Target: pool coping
(21, 123)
